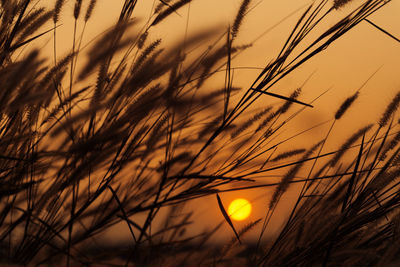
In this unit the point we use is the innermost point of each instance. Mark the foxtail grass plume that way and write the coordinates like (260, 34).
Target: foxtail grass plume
(158, 131)
(239, 17)
(384, 179)
(161, 5)
(90, 9)
(35, 24)
(48, 78)
(390, 110)
(31, 17)
(281, 110)
(266, 121)
(77, 8)
(172, 8)
(345, 106)
(142, 58)
(340, 3)
(285, 107)
(395, 141)
(57, 10)
(288, 154)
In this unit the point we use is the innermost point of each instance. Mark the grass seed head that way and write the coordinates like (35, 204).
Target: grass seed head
(239, 17)
(90, 9)
(345, 106)
(77, 8)
(390, 110)
(57, 10)
(340, 3)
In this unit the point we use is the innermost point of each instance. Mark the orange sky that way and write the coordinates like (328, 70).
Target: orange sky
(343, 67)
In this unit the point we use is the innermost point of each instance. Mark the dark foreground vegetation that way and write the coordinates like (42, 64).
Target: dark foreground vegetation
(89, 144)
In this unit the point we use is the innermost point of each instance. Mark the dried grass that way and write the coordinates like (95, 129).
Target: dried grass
(138, 131)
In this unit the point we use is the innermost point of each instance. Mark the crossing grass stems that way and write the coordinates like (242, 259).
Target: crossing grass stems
(138, 129)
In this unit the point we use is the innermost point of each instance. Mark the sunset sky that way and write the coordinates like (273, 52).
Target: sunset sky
(342, 68)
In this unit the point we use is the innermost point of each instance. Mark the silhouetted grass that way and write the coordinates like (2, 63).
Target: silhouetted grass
(136, 129)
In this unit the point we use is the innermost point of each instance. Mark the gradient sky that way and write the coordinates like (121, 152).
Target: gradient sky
(343, 67)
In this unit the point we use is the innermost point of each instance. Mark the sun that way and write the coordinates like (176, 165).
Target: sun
(239, 209)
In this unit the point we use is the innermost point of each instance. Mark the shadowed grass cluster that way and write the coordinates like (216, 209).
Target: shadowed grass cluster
(137, 129)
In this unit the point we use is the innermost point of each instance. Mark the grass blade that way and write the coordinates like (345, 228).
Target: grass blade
(353, 176)
(382, 30)
(226, 216)
(283, 97)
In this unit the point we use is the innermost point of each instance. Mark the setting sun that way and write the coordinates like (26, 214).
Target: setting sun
(239, 209)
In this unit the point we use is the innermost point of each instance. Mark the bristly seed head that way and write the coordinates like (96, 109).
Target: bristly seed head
(390, 110)
(77, 8)
(239, 17)
(57, 10)
(90, 9)
(340, 3)
(345, 106)
(285, 107)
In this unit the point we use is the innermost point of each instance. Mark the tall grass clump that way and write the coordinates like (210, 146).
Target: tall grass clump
(124, 131)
